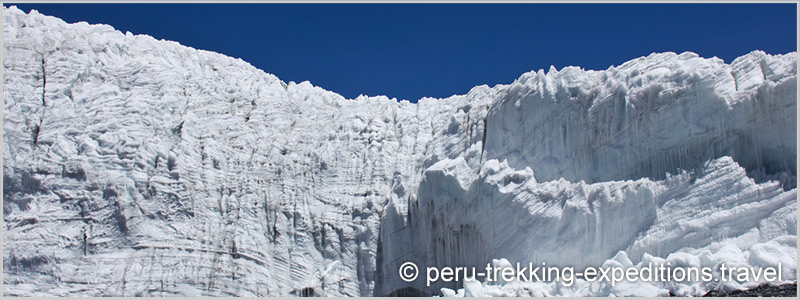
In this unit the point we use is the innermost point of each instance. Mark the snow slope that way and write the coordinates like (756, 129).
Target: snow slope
(134, 166)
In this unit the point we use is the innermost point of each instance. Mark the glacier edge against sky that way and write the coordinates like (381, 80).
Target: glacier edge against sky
(141, 167)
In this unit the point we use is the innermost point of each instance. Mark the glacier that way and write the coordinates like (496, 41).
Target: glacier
(140, 167)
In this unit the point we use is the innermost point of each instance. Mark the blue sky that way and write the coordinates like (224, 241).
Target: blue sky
(409, 51)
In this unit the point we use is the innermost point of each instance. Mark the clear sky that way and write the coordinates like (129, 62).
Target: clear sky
(409, 51)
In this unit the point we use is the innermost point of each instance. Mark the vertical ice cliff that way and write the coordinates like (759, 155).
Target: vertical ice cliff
(134, 166)
(648, 117)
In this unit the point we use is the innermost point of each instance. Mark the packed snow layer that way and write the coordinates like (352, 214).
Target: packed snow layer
(134, 166)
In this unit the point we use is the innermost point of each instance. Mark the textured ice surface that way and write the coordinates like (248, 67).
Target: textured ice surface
(134, 166)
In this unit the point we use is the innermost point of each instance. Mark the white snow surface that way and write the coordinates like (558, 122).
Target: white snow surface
(134, 166)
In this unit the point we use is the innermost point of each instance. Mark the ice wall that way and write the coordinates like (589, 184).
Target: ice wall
(134, 166)
(648, 117)
(469, 219)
